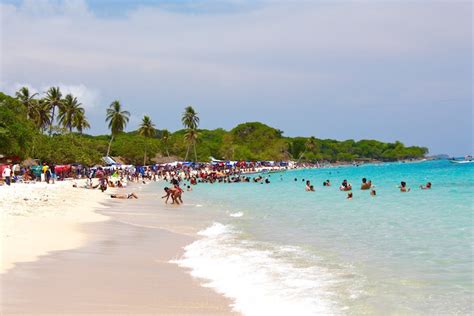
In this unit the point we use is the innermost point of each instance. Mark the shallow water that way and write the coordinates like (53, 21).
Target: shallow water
(277, 249)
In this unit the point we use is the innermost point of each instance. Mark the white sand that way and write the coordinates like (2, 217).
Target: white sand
(39, 218)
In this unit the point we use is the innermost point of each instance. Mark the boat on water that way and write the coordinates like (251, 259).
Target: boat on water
(467, 159)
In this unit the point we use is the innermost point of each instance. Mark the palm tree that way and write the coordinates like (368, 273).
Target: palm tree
(309, 145)
(80, 121)
(117, 119)
(41, 114)
(165, 137)
(53, 99)
(190, 121)
(191, 137)
(189, 118)
(27, 100)
(146, 129)
(68, 111)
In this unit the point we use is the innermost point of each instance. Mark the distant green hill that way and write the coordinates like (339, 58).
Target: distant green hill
(247, 141)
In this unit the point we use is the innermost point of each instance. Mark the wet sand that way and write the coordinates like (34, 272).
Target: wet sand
(123, 269)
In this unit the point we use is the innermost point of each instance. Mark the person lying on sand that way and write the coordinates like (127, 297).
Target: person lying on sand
(124, 196)
(426, 187)
(86, 186)
(366, 185)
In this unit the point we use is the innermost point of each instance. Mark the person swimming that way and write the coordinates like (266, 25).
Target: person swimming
(345, 186)
(426, 187)
(373, 193)
(403, 187)
(366, 185)
(311, 188)
(308, 186)
(349, 196)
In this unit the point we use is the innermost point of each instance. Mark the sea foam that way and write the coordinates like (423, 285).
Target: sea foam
(261, 279)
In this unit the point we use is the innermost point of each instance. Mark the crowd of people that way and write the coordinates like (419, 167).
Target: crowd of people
(103, 178)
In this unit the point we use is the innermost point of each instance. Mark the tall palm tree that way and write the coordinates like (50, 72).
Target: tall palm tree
(191, 137)
(165, 137)
(190, 121)
(117, 119)
(189, 118)
(27, 100)
(146, 129)
(53, 99)
(41, 114)
(80, 121)
(68, 111)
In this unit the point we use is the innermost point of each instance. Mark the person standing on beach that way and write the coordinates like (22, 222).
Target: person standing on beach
(7, 173)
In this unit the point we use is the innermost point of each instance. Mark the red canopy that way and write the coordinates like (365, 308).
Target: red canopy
(62, 168)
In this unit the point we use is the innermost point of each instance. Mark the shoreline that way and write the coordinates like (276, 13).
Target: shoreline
(119, 263)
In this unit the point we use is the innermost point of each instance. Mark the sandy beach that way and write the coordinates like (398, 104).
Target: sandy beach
(38, 218)
(76, 251)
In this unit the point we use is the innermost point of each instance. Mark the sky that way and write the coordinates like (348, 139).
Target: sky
(382, 69)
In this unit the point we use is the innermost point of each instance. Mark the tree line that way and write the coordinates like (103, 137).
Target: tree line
(52, 128)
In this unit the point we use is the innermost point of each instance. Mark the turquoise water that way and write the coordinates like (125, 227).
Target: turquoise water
(277, 249)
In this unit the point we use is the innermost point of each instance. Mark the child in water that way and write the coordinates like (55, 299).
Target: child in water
(403, 187)
(349, 196)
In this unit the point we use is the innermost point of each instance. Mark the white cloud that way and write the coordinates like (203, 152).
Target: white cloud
(309, 55)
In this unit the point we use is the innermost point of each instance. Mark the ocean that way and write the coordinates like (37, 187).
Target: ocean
(276, 249)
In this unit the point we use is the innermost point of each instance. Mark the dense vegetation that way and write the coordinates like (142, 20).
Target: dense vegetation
(26, 122)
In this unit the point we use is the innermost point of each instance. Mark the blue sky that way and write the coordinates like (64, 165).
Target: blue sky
(387, 70)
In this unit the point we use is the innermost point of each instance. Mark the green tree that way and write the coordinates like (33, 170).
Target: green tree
(165, 138)
(309, 145)
(190, 121)
(68, 111)
(117, 119)
(28, 101)
(53, 100)
(191, 138)
(147, 130)
(40, 114)
(80, 121)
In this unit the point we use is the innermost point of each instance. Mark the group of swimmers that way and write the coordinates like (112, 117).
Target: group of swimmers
(365, 185)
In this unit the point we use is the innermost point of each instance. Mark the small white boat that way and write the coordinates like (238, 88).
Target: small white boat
(462, 161)
(467, 159)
